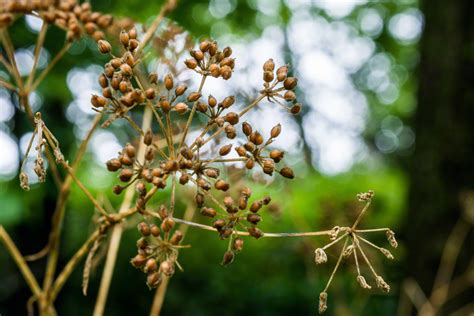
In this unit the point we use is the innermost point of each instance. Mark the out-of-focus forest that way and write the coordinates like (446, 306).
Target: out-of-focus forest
(387, 89)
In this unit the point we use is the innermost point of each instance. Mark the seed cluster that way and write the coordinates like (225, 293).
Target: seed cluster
(75, 18)
(355, 237)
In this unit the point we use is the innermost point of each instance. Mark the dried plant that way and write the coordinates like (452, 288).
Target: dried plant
(163, 154)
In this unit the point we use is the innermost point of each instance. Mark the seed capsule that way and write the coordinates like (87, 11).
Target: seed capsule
(253, 218)
(282, 72)
(209, 212)
(167, 268)
(225, 149)
(125, 175)
(276, 130)
(295, 109)
(194, 96)
(221, 185)
(255, 232)
(155, 230)
(287, 172)
(124, 38)
(98, 101)
(184, 178)
(289, 96)
(228, 258)
(204, 46)
(153, 280)
(269, 65)
(228, 102)
(215, 70)
(104, 46)
(169, 82)
(181, 107)
(180, 89)
(176, 238)
(268, 76)
(232, 118)
(238, 244)
(191, 63)
(113, 165)
(290, 83)
(138, 261)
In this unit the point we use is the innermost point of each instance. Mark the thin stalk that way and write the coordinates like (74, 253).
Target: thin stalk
(336, 267)
(50, 66)
(361, 214)
(39, 45)
(21, 263)
(118, 229)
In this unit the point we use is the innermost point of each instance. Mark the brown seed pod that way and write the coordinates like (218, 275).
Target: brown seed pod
(218, 224)
(117, 189)
(256, 206)
(113, 165)
(208, 211)
(221, 185)
(155, 230)
(226, 72)
(215, 70)
(253, 218)
(268, 76)
(150, 154)
(98, 101)
(150, 265)
(203, 184)
(287, 172)
(169, 82)
(276, 155)
(181, 108)
(204, 46)
(238, 244)
(150, 93)
(132, 33)
(255, 232)
(289, 96)
(167, 224)
(249, 164)
(107, 93)
(140, 188)
(129, 150)
(138, 261)
(290, 83)
(201, 107)
(225, 149)
(148, 138)
(126, 70)
(184, 178)
(176, 238)
(180, 89)
(269, 65)
(165, 106)
(144, 229)
(230, 131)
(116, 62)
(232, 118)
(295, 109)
(228, 102)
(125, 175)
(282, 72)
(153, 280)
(212, 172)
(104, 46)
(153, 78)
(103, 82)
(167, 268)
(194, 96)
(227, 51)
(211, 101)
(199, 198)
(276, 130)
(124, 38)
(133, 44)
(228, 258)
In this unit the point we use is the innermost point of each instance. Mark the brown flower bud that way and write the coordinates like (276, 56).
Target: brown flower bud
(208, 211)
(150, 265)
(221, 185)
(256, 206)
(201, 107)
(211, 101)
(184, 178)
(256, 138)
(155, 230)
(212, 49)
(241, 151)
(171, 165)
(287, 172)
(269, 65)
(181, 107)
(228, 258)
(169, 82)
(140, 188)
(167, 224)
(227, 51)
(230, 131)
(227, 62)
(104, 46)
(132, 33)
(113, 165)
(198, 55)
(107, 93)
(150, 93)
(232, 118)
(276, 130)
(194, 96)
(253, 218)
(98, 101)
(204, 46)
(176, 238)
(150, 153)
(276, 155)
(125, 175)
(133, 44)
(290, 83)
(148, 138)
(126, 70)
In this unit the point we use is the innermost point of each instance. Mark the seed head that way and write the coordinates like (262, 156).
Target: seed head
(323, 300)
(320, 256)
(363, 283)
